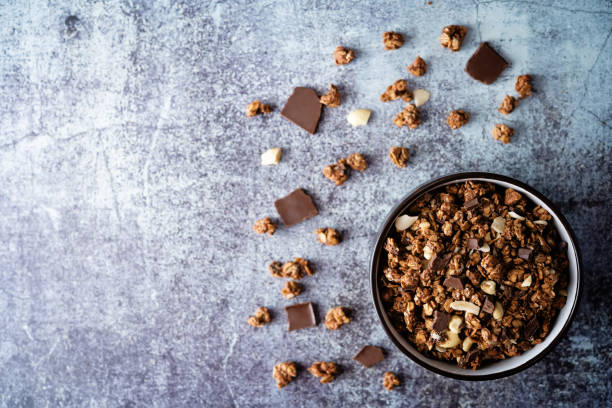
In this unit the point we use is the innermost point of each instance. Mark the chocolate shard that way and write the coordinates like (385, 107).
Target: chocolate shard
(473, 243)
(441, 320)
(453, 282)
(468, 205)
(504, 334)
(369, 355)
(295, 207)
(524, 253)
(438, 263)
(488, 306)
(485, 65)
(303, 108)
(300, 316)
(508, 292)
(531, 328)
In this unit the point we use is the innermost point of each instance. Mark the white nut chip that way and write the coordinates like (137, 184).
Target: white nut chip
(488, 287)
(403, 222)
(271, 156)
(467, 344)
(485, 248)
(359, 117)
(455, 324)
(452, 340)
(499, 225)
(427, 252)
(515, 215)
(527, 282)
(540, 222)
(498, 311)
(420, 96)
(465, 307)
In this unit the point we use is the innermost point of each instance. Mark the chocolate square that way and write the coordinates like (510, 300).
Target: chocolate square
(369, 355)
(300, 316)
(473, 243)
(303, 108)
(524, 253)
(488, 306)
(441, 321)
(485, 65)
(295, 207)
(453, 282)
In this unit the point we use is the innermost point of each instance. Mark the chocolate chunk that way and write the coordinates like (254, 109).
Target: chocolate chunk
(441, 321)
(531, 328)
(296, 207)
(471, 355)
(507, 292)
(453, 282)
(485, 65)
(504, 334)
(473, 243)
(439, 262)
(524, 253)
(468, 205)
(303, 108)
(300, 316)
(488, 306)
(369, 355)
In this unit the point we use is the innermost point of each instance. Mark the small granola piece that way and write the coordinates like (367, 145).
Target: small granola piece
(392, 40)
(261, 317)
(507, 105)
(523, 86)
(399, 156)
(336, 317)
(418, 67)
(512, 196)
(390, 381)
(332, 98)
(264, 225)
(284, 373)
(457, 118)
(399, 89)
(328, 236)
(452, 37)
(343, 55)
(410, 117)
(326, 370)
(291, 289)
(357, 161)
(502, 133)
(257, 108)
(338, 173)
(359, 117)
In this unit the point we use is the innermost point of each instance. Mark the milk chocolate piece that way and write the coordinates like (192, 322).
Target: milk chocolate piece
(524, 253)
(369, 355)
(303, 108)
(438, 263)
(488, 306)
(485, 65)
(296, 207)
(300, 316)
(468, 205)
(473, 243)
(453, 282)
(441, 321)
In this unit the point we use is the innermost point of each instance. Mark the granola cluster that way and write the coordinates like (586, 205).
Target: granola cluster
(264, 226)
(390, 381)
(502, 133)
(332, 98)
(257, 108)
(328, 236)
(326, 370)
(523, 86)
(392, 40)
(410, 117)
(339, 171)
(284, 373)
(399, 89)
(399, 156)
(260, 318)
(343, 55)
(291, 289)
(457, 118)
(452, 37)
(507, 105)
(418, 67)
(296, 269)
(337, 317)
(475, 273)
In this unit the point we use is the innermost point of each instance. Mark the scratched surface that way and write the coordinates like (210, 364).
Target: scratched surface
(130, 178)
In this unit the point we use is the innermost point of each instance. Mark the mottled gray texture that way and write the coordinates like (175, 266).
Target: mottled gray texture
(130, 179)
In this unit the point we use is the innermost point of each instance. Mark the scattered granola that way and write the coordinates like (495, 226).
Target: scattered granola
(452, 37)
(399, 89)
(260, 318)
(338, 172)
(343, 55)
(457, 118)
(332, 98)
(284, 373)
(410, 117)
(336, 317)
(291, 289)
(296, 269)
(502, 133)
(508, 105)
(328, 236)
(326, 370)
(257, 108)
(392, 40)
(390, 381)
(399, 156)
(523, 86)
(264, 225)
(357, 161)
(418, 67)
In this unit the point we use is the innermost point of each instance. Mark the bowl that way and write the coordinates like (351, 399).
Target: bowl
(500, 368)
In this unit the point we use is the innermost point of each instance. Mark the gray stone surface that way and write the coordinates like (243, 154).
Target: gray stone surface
(129, 181)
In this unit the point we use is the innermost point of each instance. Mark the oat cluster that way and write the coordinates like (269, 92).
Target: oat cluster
(418, 67)
(390, 381)
(452, 37)
(457, 118)
(332, 98)
(502, 133)
(325, 370)
(284, 373)
(328, 236)
(410, 117)
(343, 55)
(399, 156)
(260, 318)
(392, 40)
(339, 172)
(257, 108)
(264, 226)
(296, 269)
(336, 317)
(399, 89)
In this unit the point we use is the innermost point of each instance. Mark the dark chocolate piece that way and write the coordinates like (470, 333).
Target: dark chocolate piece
(300, 316)
(438, 263)
(369, 355)
(453, 282)
(488, 306)
(524, 253)
(303, 108)
(296, 207)
(441, 321)
(468, 205)
(485, 65)
(473, 243)
(508, 292)
(531, 328)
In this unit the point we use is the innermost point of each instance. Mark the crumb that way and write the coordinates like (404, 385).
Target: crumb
(284, 373)
(399, 89)
(523, 86)
(410, 117)
(418, 67)
(291, 289)
(392, 40)
(502, 133)
(343, 55)
(357, 161)
(264, 225)
(452, 37)
(332, 98)
(507, 105)
(457, 118)
(326, 370)
(328, 236)
(338, 172)
(260, 318)
(257, 108)
(399, 156)
(336, 317)
(390, 381)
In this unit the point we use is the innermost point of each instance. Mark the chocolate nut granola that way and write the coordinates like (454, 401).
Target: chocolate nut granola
(343, 55)
(336, 317)
(502, 133)
(507, 105)
(326, 370)
(392, 40)
(452, 37)
(328, 236)
(410, 117)
(284, 373)
(332, 98)
(399, 89)
(479, 276)
(418, 67)
(399, 156)
(296, 269)
(291, 289)
(357, 161)
(338, 172)
(264, 225)
(523, 86)
(260, 318)
(390, 381)
(457, 118)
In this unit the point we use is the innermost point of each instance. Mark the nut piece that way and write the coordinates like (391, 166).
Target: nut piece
(418, 67)
(326, 370)
(338, 173)
(261, 317)
(507, 105)
(523, 86)
(264, 225)
(357, 161)
(343, 55)
(271, 156)
(455, 324)
(328, 236)
(427, 253)
(498, 311)
(488, 287)
(421, 97)
(399, 156)
(452, 340)
(467, 344)
(527, 282)
(502, 133)
(332, 98)
(399, 89)
(403, 222)
(499, 225)
(452, 37)
(463, 306)
(284, 373)
(457, 118)
(359, 117)
(410, 117)
(390, 381)
(291, 289)
(392, 40)
(257, 108)
(336, 317)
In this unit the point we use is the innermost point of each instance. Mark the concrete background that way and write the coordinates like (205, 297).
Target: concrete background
(130, 178)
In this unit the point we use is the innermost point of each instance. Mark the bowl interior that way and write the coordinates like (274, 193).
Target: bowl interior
(502, 367)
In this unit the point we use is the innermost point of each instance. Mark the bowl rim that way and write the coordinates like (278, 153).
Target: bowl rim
(437, 182)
